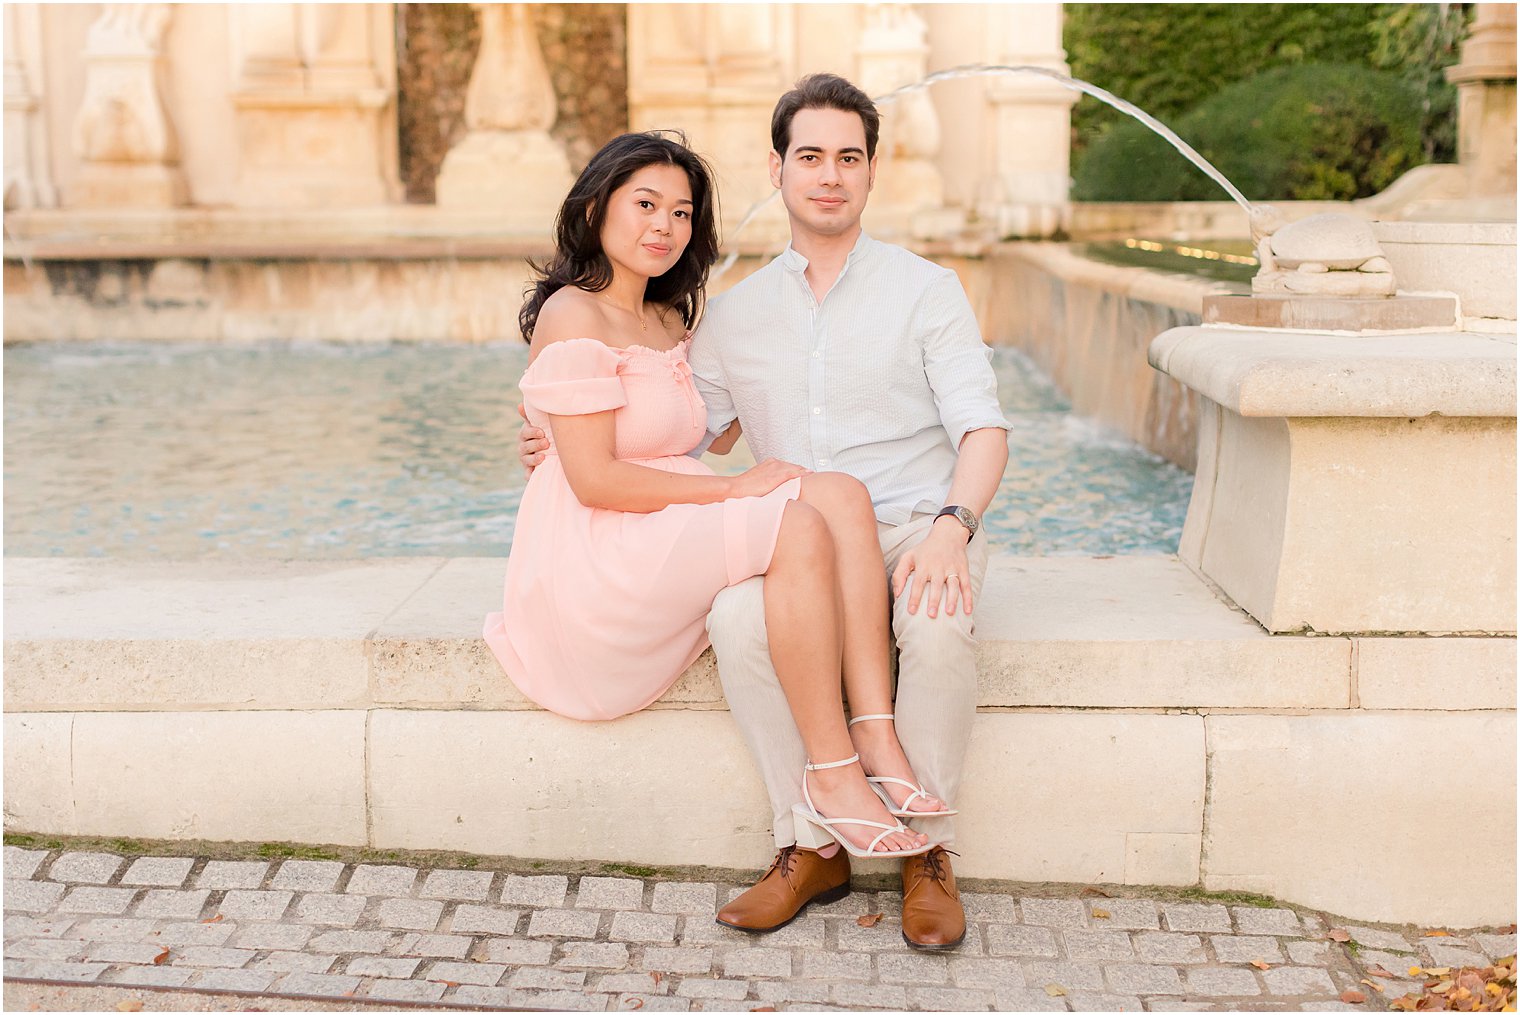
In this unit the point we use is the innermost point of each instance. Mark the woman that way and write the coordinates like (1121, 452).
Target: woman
(623, 540)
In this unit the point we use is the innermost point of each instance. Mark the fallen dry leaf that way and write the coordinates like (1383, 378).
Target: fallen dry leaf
(635, 1003)
(1353, 997)
(1436, 933)
(1101, 914)
(130, 1004)
(158, 959)
(1374, 986)
(1441, 987)
(762, 1009)
(1416, 971)
(1261, 965)
(1096, 891)
(1377, 970)
(657, 976)
(1055, 990)
(1506, 929)
(870, 919)
(1439, 971)
(1336, 934)
(215, 919)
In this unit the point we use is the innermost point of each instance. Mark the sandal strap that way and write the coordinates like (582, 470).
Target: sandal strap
(863, 718)
(918, 791)
(832, 764)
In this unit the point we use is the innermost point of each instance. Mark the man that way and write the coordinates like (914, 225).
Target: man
(852, 355)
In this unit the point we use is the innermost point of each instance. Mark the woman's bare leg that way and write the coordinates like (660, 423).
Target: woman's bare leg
(804, 616)
(845, 506)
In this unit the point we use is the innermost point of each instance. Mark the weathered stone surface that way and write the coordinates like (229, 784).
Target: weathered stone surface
(1442, 674)
(378, 879)
(85, 868)
(300, 775)
(165, 871)
(1140, 773)
(233, 874)
(1279, 781)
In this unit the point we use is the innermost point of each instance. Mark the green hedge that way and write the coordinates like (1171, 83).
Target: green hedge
(1169, 58)
(1309, 132)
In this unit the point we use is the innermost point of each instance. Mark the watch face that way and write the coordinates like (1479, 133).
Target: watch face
(966, 518)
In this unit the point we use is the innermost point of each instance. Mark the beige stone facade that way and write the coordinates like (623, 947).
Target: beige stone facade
(286, 106)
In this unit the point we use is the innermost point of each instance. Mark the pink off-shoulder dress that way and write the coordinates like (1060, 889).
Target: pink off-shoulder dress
(603, 609)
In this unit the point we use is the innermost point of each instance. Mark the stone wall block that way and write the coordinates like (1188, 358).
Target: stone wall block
(288, 776)
(1084, 784)
(39, 773)
(1291, 798)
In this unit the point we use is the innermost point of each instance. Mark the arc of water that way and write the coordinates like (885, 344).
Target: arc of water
(1064, 80)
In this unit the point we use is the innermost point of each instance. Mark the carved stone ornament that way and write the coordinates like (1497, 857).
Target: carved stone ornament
(122, 118)
(1331, 254)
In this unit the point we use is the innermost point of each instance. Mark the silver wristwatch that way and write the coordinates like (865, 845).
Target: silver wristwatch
(964, 515)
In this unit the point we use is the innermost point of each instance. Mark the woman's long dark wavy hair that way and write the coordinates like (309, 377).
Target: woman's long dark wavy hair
(578, 256)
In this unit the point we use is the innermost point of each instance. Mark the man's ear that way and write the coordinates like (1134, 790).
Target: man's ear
(871, 177)
(775, 163)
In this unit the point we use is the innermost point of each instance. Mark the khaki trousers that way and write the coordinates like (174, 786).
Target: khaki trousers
(936, 685)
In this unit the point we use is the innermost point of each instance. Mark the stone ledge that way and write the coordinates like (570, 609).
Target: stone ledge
(114, 635)
(1270, 374)
(1277, 804)
(1054, 632)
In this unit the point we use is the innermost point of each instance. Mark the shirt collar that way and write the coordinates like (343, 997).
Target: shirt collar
(793, 261)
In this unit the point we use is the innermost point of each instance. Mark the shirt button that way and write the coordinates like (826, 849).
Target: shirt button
(816, 410)
(815, 354)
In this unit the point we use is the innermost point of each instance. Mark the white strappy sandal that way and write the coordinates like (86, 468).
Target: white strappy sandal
(877, 781)
(814, 831)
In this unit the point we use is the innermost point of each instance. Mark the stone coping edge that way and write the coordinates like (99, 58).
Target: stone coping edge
(1273, 374)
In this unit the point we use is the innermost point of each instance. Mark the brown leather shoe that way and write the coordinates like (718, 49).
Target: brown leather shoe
(796, 877)
(932, 916)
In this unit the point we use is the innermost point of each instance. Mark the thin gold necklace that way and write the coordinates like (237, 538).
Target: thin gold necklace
(643, 327)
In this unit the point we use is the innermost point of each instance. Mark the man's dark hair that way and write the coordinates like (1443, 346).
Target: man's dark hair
(824, 91)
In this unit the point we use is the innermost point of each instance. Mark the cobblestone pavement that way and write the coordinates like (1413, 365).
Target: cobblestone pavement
(393, 932)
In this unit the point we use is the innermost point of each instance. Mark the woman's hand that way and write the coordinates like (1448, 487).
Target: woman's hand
(765, 477)
(532, 442)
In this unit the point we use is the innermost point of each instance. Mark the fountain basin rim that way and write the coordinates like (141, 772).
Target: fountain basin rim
(1281, 374)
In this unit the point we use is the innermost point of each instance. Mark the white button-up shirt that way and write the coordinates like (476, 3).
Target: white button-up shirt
(880, 380)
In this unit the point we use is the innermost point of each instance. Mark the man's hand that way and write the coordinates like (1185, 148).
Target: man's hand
(936, 566)
(531, 443)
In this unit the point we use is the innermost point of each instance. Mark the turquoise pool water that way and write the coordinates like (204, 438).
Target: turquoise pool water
(331, 451)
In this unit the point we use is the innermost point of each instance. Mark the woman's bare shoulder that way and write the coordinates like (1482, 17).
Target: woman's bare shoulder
(569, 313)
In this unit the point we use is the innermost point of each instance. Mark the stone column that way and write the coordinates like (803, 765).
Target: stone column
(507, 166)
(1485, 80)
(122, 133)
(28, 183)
(909, 197)
(715, 71)
(1026, 192)
(314, 101)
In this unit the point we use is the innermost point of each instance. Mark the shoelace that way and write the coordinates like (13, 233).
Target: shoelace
(784, 861)
(933, 860)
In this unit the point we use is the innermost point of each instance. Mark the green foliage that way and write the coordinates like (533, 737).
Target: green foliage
(1310, 132)
(1170, 58)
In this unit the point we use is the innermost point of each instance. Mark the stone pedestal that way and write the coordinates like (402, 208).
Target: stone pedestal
(909, 197)
(1485, 81)
(1026, 192)
(315, 117)
(122, 132)
(507, 167)
(715, 72)
(1353, 484)
(28, 183)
